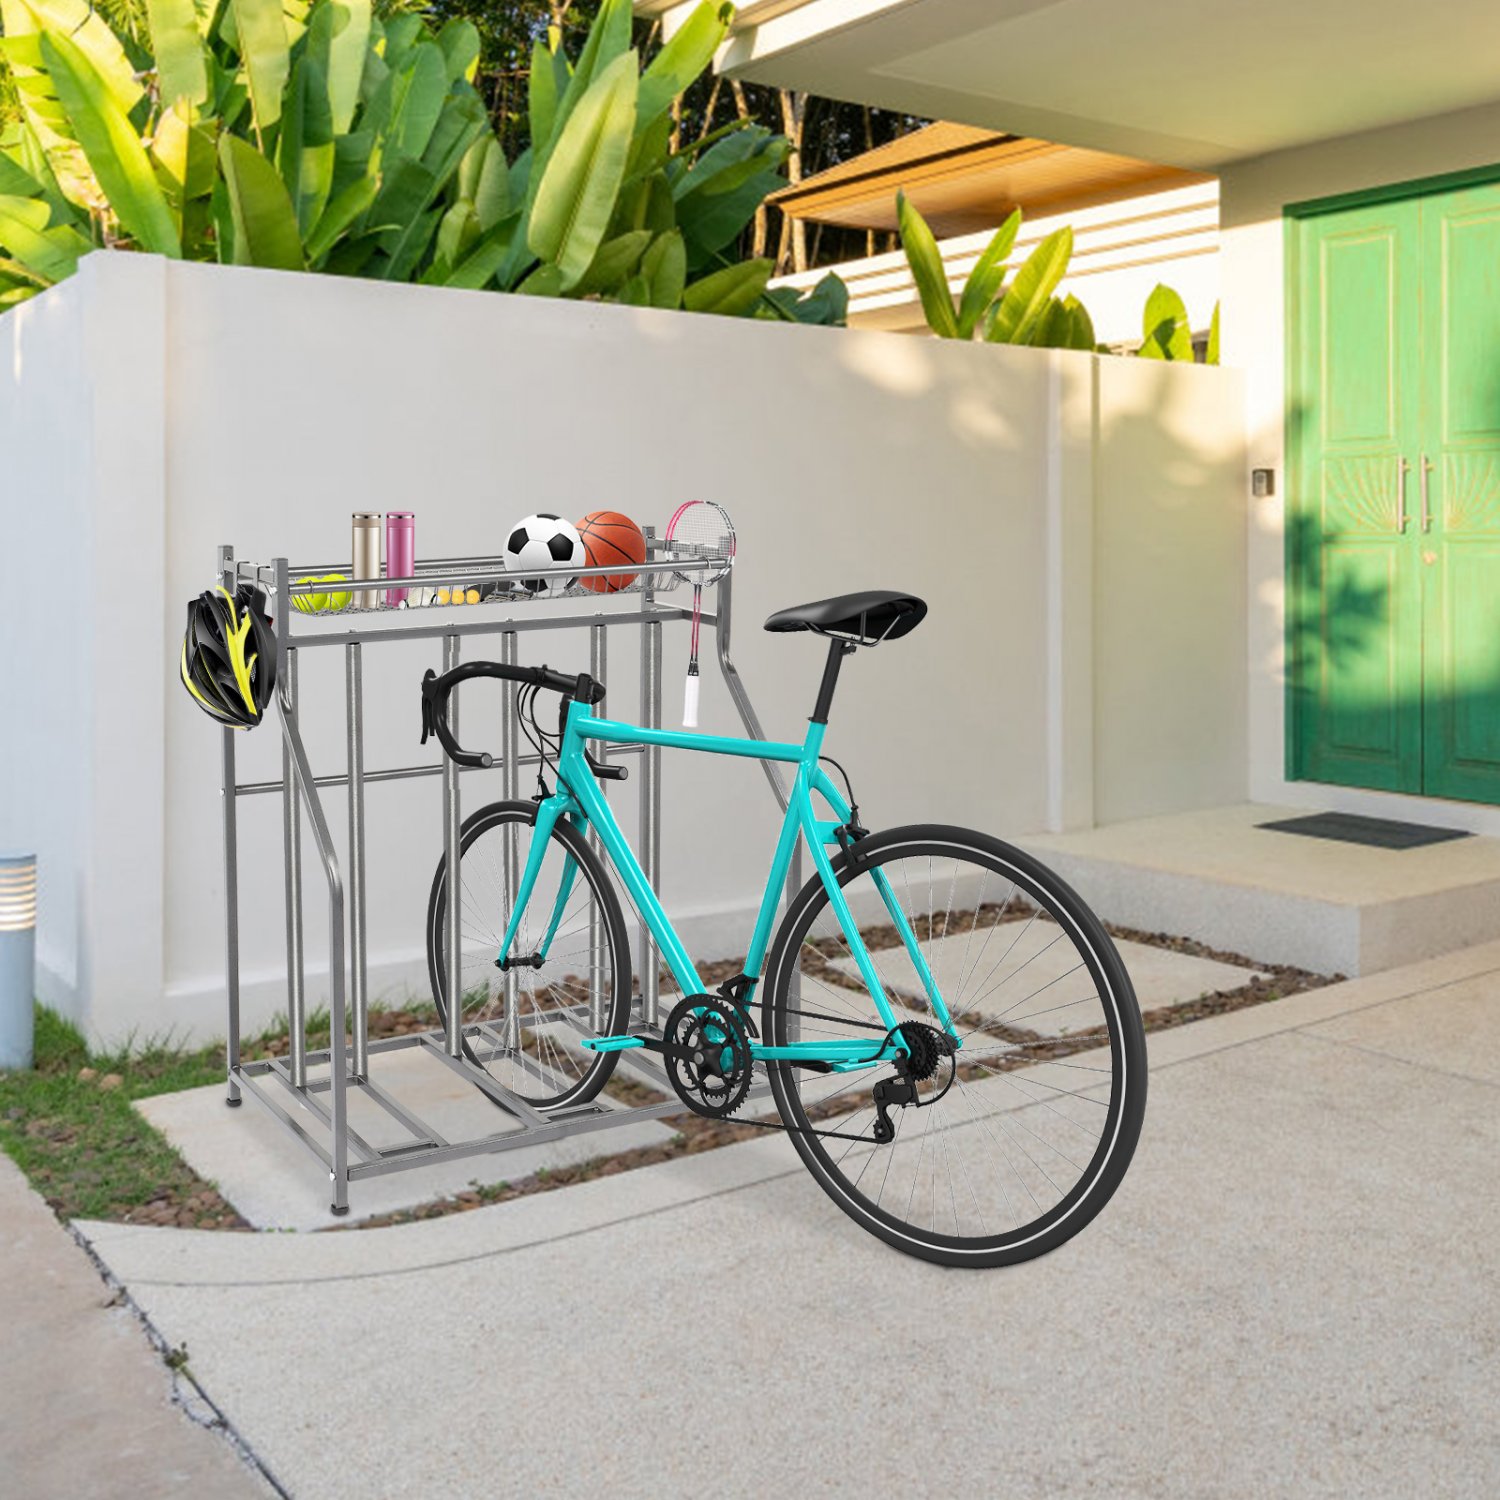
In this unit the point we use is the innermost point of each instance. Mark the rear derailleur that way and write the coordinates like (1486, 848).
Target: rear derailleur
(927, 1049)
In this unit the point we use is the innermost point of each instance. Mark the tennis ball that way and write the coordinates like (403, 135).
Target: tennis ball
(339, 600)
(313, 604)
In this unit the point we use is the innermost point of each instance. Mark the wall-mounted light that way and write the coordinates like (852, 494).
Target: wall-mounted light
(17, 958)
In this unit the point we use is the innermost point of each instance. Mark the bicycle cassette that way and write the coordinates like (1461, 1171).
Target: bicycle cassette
(707, 1056)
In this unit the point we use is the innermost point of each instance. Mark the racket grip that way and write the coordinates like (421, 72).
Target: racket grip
(690, 702)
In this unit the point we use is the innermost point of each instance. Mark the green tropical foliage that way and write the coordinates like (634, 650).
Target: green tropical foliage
(1167, 333)
(315, 135)
(1027, 310)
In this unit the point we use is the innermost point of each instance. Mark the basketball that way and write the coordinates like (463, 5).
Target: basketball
(609, 537)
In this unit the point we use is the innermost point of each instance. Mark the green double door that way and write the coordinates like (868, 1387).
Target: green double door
(1393, 605)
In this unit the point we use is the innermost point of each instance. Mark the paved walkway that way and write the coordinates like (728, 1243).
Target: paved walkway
(86, 1403)
(1293, 1294)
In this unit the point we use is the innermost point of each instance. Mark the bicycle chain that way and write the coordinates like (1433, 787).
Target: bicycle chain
(835, 1135)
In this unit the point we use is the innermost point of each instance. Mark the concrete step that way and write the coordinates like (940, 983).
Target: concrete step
(1275, 897)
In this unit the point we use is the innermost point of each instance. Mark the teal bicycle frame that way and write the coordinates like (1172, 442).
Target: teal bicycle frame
(578, 798)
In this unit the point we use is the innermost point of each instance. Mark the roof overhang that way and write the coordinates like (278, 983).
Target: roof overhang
(1181, 82)
(963, 179)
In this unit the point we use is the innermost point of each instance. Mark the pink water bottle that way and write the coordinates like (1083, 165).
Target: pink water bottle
(400, 550)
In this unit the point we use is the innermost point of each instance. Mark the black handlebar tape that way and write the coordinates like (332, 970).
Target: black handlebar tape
(581, 685)
(435, 691)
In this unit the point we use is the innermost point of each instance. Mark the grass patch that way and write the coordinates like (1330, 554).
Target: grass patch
(69, 1125)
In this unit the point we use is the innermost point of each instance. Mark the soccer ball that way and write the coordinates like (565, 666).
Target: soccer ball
(543, 541)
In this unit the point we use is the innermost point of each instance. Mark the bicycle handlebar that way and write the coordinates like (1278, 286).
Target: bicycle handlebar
(437, 689)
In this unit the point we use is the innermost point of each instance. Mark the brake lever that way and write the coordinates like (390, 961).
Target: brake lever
(427, 727)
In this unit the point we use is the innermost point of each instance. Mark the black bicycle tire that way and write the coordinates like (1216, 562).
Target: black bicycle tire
(1127, 1041)
(480, 822)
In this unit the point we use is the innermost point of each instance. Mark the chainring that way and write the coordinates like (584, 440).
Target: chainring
(707, 1056)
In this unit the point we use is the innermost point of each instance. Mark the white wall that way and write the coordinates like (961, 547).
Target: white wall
(1252, 197)
(259, 408)
(46, 467)
(1169, 593)
(81, 446)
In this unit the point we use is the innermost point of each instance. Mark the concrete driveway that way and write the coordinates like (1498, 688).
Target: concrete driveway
(87, 1407)
(1293, 1294)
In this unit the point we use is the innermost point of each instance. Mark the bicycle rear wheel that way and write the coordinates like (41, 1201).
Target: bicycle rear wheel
(1011, 1145)
(528, 1044)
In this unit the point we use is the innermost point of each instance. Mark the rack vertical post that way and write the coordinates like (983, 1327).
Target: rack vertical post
(228, 782)
(452, 852)
(599, 671)
(650, 832)
(354, 713)
(510, 781)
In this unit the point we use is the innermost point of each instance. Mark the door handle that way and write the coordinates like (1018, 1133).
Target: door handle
(1402, 468)
(1426, 511)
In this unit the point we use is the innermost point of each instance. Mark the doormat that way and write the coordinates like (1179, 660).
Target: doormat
(1378, 833)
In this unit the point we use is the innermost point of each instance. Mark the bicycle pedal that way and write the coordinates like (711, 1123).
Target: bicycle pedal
(612, 1043)
(622, 1043)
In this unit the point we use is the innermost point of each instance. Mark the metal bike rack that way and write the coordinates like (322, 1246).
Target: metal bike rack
(277, 1083)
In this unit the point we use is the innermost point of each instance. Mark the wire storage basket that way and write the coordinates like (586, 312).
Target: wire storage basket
(322, 590)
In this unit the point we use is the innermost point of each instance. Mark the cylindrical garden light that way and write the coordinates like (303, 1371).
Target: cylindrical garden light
(17, 958)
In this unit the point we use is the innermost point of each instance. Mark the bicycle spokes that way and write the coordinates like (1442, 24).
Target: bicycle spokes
(565, 974)
(1006, 1126)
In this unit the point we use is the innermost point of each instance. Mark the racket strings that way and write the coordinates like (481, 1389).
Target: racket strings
(701, 530)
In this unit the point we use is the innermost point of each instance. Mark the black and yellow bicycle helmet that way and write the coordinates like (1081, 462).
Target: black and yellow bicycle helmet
(229, 656)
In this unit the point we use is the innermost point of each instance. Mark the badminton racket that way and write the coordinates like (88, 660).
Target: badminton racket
(699, 532)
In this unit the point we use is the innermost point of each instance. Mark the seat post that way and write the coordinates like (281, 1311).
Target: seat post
(837, 651)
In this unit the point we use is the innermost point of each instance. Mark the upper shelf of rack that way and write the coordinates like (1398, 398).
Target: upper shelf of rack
(329, 589)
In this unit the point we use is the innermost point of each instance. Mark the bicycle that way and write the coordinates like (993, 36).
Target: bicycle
(958, 1119)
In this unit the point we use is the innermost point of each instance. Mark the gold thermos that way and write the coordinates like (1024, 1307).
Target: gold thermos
(366, 556)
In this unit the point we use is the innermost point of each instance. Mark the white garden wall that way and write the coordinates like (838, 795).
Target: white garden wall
(1072, 521)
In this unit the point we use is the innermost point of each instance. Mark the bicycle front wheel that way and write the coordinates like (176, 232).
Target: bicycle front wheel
(1008, 1145)
(523, 1029)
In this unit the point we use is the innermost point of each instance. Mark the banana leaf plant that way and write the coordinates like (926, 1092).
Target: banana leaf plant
(1027, 310)
(1167, 332)
(315, 135)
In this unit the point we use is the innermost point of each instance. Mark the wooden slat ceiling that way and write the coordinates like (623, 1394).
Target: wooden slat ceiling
(964, 180)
